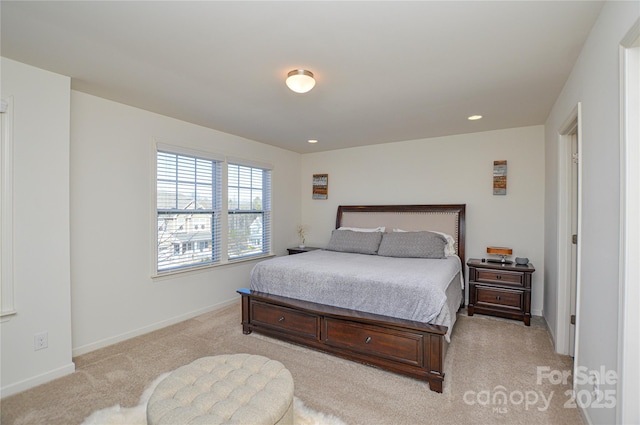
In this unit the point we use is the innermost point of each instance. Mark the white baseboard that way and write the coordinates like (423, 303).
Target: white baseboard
(76, 351)
(37, 380)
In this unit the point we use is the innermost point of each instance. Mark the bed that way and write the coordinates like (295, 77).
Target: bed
(376, 310)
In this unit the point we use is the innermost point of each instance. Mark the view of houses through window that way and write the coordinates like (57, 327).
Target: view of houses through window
(249, 210)
(188, 203)
(189, 200)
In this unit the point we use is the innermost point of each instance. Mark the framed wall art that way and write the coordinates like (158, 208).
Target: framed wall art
(500, 177)
(320, 188)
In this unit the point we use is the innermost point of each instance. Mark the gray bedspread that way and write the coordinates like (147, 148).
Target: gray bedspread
(407, 288)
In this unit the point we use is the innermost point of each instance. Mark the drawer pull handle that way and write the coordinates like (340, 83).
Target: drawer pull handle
(498, 277)
(498, 297)
(367, 340)
(281, 319)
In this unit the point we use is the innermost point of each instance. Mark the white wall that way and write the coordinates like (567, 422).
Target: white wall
(112, 183)
(454, 169)
(41, 256)
(595, 83)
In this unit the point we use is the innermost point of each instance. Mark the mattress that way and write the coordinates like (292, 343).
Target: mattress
(418, 289)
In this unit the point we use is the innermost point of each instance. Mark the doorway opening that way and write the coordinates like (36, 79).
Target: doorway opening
(569, 187)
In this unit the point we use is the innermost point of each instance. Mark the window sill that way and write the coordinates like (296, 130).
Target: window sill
(201, 269)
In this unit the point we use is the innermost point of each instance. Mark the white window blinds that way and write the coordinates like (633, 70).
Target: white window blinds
(188, 190)
(249, 211)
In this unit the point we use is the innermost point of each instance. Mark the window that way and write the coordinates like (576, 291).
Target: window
(188, 204)
(249, 211)
(197, 225)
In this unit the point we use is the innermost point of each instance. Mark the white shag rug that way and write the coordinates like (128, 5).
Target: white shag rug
(137, 415)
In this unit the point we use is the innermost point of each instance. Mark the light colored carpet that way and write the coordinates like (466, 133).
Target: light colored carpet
(137, 415)
(487, 357)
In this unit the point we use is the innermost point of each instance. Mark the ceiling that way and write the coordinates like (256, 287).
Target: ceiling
(386, 71)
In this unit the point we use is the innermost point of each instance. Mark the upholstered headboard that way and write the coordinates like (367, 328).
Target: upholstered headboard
(448, 219)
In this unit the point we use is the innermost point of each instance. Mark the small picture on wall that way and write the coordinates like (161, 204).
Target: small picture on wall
(320, 186)
(500, 177)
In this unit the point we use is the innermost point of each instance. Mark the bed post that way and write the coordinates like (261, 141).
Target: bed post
(246, 329)
(434, 349)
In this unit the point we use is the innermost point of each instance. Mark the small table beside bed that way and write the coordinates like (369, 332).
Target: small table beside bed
(384, 292)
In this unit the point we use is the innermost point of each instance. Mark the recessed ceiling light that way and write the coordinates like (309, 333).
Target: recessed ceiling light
(312, 141)
(474, 117)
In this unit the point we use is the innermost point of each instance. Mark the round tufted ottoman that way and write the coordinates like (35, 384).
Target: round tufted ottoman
(226, 389)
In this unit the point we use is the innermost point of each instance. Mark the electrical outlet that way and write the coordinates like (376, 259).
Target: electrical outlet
(40, 341)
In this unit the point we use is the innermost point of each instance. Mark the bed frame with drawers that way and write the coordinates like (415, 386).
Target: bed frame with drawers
(402, 346)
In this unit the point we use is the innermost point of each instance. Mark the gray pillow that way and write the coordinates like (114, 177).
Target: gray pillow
(357, 242)
(413, 245)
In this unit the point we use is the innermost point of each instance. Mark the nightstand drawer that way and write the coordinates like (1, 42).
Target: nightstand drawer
(502, 290)
(500, 277)
(501, 297)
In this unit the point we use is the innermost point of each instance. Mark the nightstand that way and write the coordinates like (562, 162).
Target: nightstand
(298, 250)
(502, 290)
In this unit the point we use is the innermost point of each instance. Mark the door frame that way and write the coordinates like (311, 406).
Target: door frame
(628, 387)
(572, 124)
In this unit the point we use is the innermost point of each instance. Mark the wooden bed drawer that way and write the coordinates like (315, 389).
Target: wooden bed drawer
(501, 297)
(500, 277)
(400, 346)
(285, 319)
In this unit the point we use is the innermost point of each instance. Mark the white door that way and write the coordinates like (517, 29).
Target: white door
(573, 240)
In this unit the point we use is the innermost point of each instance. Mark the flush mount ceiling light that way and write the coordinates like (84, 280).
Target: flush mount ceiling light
(312, 141)
(474, 117)
(300, 80)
